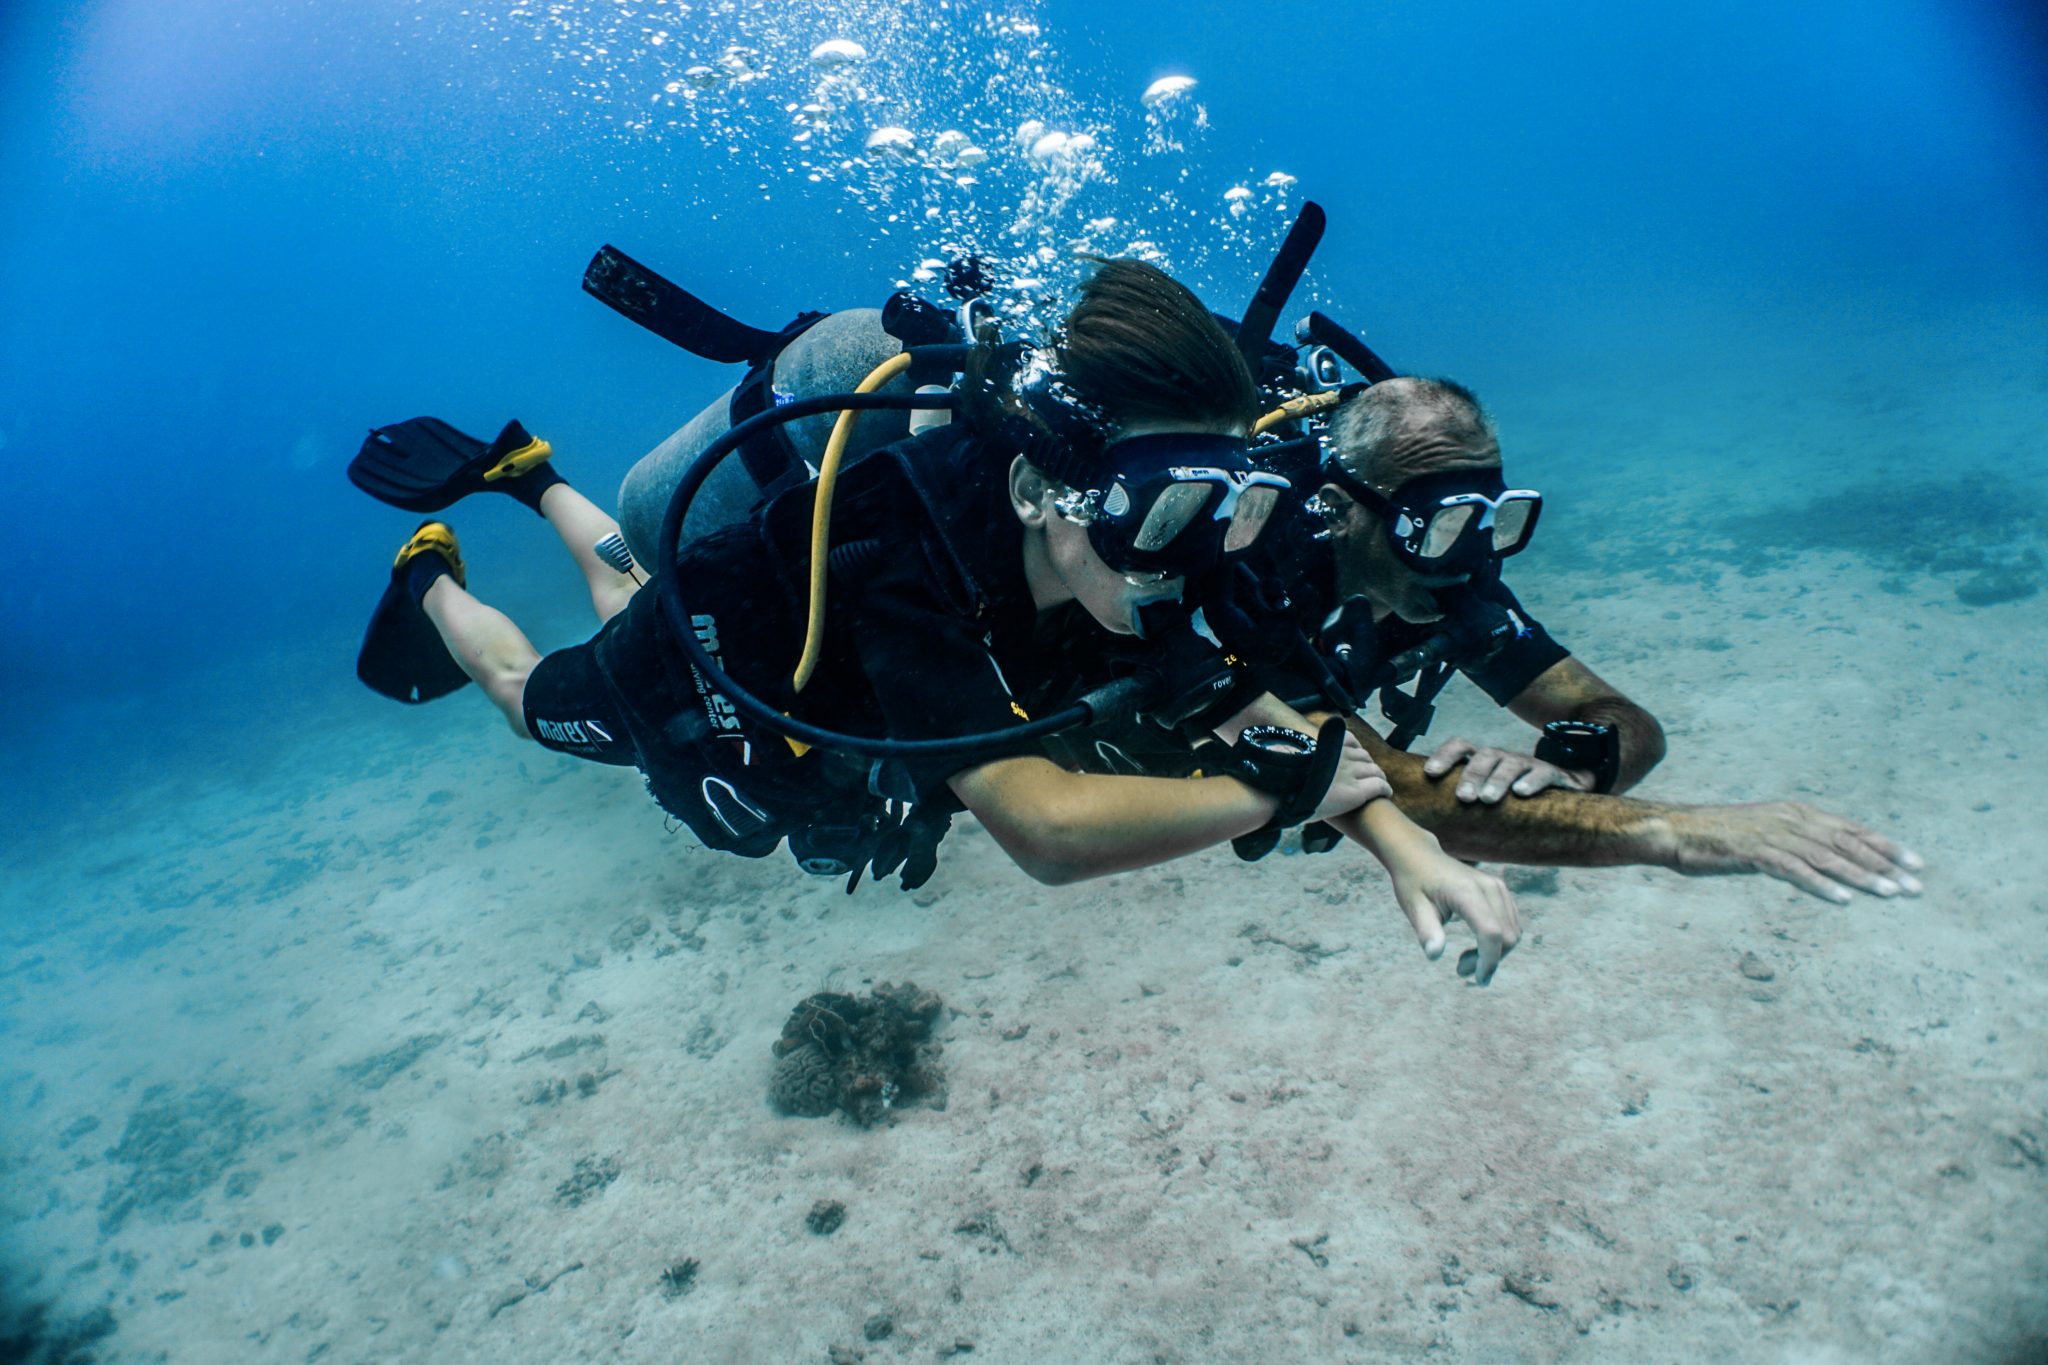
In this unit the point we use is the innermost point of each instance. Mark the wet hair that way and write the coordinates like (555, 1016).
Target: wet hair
(1138, 347)
(1364, 425)
(1141, 347)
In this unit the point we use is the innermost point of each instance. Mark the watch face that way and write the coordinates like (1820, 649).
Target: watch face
(1277, 739)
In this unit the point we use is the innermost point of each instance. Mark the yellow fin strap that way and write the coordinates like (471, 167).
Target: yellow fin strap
(821, 517)
(435, 537)
(519, 461)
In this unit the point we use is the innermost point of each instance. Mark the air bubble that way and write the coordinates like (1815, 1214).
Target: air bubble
(837, 52)
(1166, 90)
(891, 141)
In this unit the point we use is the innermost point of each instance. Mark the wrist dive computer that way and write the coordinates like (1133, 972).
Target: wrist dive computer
(1583, 746)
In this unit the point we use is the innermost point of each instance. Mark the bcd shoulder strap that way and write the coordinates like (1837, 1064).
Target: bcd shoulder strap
(770, 459)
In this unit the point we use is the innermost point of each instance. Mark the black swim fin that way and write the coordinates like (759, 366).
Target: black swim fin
(425, 465)
(402, 654)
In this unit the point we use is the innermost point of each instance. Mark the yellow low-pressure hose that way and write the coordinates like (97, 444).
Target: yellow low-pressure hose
(1293, 410)
(821, 516)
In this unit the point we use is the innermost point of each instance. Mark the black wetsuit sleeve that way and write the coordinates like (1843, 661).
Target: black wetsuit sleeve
(1519, 662)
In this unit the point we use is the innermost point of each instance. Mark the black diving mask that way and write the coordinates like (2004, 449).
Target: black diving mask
(1452, 522)
(1176, 503)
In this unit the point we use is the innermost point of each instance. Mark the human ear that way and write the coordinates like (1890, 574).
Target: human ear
(1338, 506)
(1028, 490)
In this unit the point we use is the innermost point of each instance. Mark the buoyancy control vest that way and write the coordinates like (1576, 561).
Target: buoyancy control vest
(743, 791)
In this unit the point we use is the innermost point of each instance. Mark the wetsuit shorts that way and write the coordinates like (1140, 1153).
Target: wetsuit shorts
(701, 764)
(570, 709)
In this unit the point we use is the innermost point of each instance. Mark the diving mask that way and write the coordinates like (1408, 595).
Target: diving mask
(1454, 521)
(1176, 503)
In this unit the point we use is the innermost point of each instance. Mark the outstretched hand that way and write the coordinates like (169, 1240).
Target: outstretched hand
(1441, 889)
(1822, 854)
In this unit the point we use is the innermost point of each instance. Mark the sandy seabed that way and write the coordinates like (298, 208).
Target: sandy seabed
(409, 1042)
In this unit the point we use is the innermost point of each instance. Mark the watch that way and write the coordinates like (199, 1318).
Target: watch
(1583, 746)
(1270, 758)
(1275, 757)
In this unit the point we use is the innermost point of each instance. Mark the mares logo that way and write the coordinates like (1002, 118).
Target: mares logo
(575, 734)
(720, 711)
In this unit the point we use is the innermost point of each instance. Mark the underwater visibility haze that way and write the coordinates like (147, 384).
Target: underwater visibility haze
(333, 1029)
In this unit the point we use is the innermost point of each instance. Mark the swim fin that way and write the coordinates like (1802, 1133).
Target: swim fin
(402, 654)
(425, 465)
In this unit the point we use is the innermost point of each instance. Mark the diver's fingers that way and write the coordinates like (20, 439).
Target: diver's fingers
(1852, 839)
(1846, 870)
(1880, 854)
(1511, 917)
(1539, 777)
(1448, 755)
(1478, 772)
(1789, 867)
(1493, 946)
(1507, 770)
(1428, 924)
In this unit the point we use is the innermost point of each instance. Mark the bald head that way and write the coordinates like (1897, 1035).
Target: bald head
(1400, 429)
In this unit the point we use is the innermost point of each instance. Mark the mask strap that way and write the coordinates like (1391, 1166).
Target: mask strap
(1366, 495)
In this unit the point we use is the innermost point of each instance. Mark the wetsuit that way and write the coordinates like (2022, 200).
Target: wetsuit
(928, 635)
(1290, 557)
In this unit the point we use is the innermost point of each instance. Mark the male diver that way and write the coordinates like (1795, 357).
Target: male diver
(1081, 494)
(1417, 518)
(1393, 570)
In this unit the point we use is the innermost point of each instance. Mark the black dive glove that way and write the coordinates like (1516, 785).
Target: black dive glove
(880, 841)
(1279, 762)
(911, 844)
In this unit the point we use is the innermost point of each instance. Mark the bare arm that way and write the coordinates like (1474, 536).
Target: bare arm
(1820, 853)
(1430, 886)
(1063, 827)
(1555, 827)
(1067, 827)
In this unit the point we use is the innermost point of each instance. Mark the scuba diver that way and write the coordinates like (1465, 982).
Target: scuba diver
(1401, 570)
(1384, 566)
(1081, 489)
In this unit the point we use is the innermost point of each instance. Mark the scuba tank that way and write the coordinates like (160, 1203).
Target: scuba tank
(831, 356)
(817, 353)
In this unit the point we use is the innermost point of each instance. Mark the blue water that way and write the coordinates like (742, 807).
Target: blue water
(237, 234)
(240, 233)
